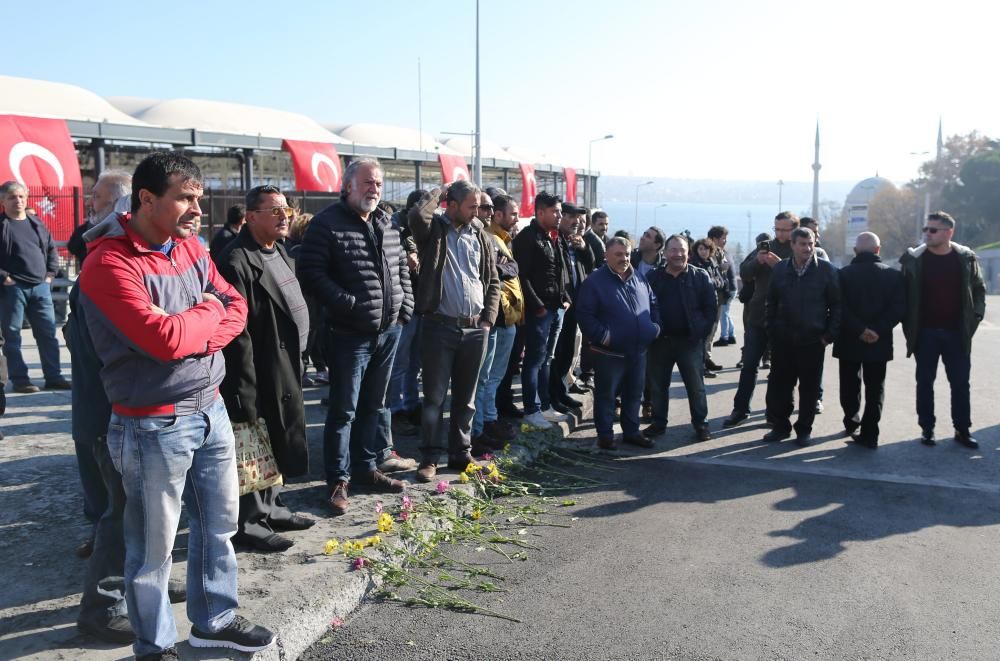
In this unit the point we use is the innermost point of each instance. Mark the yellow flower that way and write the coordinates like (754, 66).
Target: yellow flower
(331, 547)
(385, 522)
(491, 467)
(476, 514)
(494, 475)
(472, 467)
(374, 540)
(359, 545)
(463, 478)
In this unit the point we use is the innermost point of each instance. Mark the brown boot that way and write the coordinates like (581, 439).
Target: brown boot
(376, 480)
(499, 431)
(338, 498)
(426, 471)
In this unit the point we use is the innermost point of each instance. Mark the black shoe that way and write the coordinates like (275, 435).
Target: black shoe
(571, 402)
(460, 463)
(85, 548)
(273, 543)
(712, 365)
(870, 443)
(559, 407)
(639, 440)
(239, 635)
(776, 435)
(766, 365)
(731, 340)
(165, 655)
(720, 343)
(654, 430)
(851, 428)
(735, 418)
(702, 434)
(927, 437)
(58, 384)
(512, 412)
(819, 406)
(296, 522)
(116, 630)
(709, 374)
(803, 440)
(578, 388)
(739, 365)
(962, 437)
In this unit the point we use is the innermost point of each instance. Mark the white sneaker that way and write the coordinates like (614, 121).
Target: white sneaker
(536, 420)
(554, 416)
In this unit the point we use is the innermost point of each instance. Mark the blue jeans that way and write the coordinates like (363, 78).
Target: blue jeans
(404, 395)
(688, 354)
(358, 435)
(754, 346)
(540, 335)
(948, 345)
(491, 374)
(726, 327)
(614, 375)
(160, 458)
(35, 301)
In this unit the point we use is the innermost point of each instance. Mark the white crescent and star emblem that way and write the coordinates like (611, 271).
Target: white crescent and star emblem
(23, 150)
(317, 159)
(458, 173)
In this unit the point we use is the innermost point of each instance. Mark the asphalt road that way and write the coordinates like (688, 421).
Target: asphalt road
(736, 549)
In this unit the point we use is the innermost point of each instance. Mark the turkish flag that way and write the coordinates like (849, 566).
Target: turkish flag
(453, 168)
(316, 164)
(570, 174)
(39, 153)
(529, 189)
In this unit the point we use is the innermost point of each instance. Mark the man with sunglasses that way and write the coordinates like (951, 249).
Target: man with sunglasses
(756, 269)
(947, 300)
(352, 261)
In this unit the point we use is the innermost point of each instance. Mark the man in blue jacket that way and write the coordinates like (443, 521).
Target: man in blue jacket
(617, 313)
(688, 306)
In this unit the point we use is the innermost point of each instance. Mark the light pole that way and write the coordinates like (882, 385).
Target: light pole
(477, 148)
(590, 160)
(656, 211)
(780, 184)
(635, 226)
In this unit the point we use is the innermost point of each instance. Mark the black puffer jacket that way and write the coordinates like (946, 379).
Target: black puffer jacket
(542, 269)
(803, 309)
(356, 269)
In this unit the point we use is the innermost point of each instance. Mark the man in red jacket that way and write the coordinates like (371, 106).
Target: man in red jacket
(159, 314)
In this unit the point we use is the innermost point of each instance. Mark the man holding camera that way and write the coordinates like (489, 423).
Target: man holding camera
(756, 269)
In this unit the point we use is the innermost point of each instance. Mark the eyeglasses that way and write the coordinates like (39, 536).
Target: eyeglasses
(782, 229)
(287, 212)
(933, 230)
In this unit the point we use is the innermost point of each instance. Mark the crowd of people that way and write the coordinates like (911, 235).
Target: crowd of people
(402, 313)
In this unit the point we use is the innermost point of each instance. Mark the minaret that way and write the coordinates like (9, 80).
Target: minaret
(940, 142)
(816, 167)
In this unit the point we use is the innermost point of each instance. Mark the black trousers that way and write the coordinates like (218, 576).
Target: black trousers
(791, 364)
(851, 375)
(505, 391)
(564, 355)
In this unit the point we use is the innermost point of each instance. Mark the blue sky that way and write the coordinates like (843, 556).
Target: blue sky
(716, 89)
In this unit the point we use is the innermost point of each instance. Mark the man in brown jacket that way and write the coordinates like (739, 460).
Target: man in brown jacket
(458, 296)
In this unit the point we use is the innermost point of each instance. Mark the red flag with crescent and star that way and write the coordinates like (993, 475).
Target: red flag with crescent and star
(39, 153)
(529, 189)
(316, 165)
(570, 175)
(453, 168)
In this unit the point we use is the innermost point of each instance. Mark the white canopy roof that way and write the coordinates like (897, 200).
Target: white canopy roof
(41, 98)
(398, 137)
(463, 145)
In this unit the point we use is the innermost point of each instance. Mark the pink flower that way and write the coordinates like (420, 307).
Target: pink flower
(378, 507)
(359, 563)
(336, 623)
(442, 486)
(487, 457)
(404, 515)
(407, 503)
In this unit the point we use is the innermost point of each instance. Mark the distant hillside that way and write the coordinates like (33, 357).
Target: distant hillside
(611, 189)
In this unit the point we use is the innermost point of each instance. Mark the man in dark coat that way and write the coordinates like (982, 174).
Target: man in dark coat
(235, 219)
(874, 301)
(264, 363)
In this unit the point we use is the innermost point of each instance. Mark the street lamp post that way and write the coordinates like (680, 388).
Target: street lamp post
(656, 211)
(780, 185)
(635, 226)
(590, 160)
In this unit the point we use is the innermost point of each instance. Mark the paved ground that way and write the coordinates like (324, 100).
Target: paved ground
(729, 549)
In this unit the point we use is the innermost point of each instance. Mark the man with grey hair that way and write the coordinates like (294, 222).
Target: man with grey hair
(111, 186)
(352, 262)
(28, 262)
(459, 297)
(874, 301)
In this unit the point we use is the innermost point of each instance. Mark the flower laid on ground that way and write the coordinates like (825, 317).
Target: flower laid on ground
(488, 456)
(359, 545)
(384, 522)
(359, 563)
(463, 478)
(407, 503)
(336, 623)
(331, 547)
(374, 540)
(378, 507)
(476, 514)
(473, 467)
(442, 486)
(404, 515)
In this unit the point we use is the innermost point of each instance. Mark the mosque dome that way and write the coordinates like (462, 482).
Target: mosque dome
(864, 191)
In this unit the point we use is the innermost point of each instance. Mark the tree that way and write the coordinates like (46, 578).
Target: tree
(894, 214)
(940, 173)
(974, 199)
